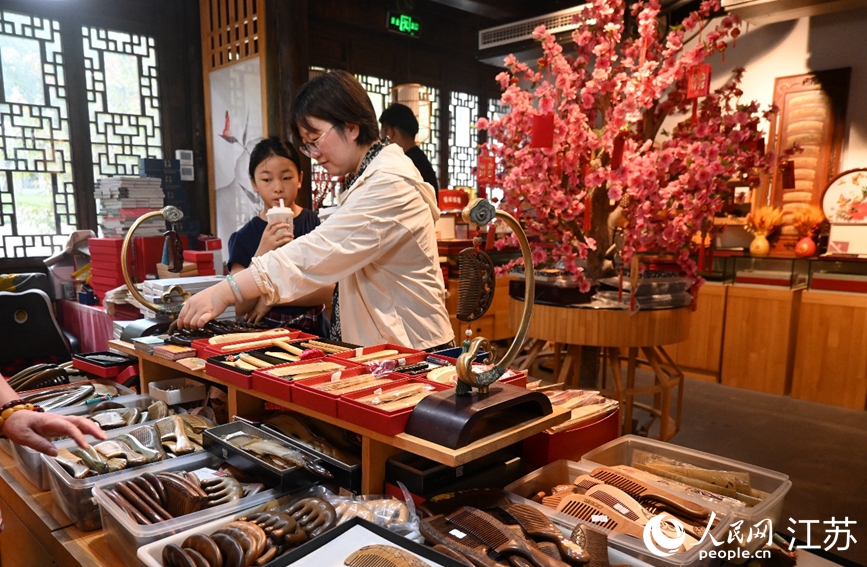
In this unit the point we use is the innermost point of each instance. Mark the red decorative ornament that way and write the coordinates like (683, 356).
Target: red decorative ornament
(721, 46)
(617, 150)
(542, 130)
(735, 33)
(698, 85)
(486, 169)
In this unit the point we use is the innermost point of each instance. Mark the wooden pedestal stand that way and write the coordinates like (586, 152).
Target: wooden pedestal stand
(621, 336)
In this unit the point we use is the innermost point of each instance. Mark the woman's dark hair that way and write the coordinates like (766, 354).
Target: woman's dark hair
(270, 147)
(336, 97)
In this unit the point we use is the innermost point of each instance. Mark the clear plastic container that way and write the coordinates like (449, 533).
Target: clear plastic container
(74, 495)
(30, 462)
(777, 485)
(564, 472)
(126, 536)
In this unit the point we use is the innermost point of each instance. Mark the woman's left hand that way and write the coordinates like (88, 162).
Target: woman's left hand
(31, 428)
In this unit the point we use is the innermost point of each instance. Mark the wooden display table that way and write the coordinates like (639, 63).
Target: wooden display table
(613, 330)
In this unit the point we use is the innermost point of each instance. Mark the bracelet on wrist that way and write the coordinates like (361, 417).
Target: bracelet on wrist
(235, 289)
(9, 408)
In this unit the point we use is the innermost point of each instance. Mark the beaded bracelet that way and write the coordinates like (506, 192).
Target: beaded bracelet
(235, 289)
(9, 408)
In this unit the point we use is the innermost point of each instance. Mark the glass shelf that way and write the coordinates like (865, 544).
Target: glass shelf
(792, 273)
(835, 274)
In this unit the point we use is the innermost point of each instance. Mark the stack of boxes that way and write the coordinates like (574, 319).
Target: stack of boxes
(105, 271)
(168, 171)
(204, 260)
(122, 200)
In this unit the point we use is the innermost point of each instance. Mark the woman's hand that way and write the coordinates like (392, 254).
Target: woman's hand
(31, 428)
(258, 312)
(271, 240)
(205, 306)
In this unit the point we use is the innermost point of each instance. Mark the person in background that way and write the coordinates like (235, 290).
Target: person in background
(26, 424)
(379, 244)
(400, 126)
(275, 173)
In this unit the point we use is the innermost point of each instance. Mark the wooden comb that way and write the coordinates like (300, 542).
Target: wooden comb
(499, 538)
(638, 489)
(585, 482)
(538, 526)
(436, 529)
(598, 514)
(383, 556)
(476, 284)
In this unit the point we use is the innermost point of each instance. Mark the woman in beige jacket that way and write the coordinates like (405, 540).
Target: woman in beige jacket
(379, 245)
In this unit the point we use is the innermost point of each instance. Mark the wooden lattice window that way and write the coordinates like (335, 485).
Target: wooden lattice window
(231, 31)
(463, 111)
(37, 203)
(122, 100)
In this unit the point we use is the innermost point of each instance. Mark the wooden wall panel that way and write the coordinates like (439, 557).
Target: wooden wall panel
(830, 358)
(700, 355)
(760, 332)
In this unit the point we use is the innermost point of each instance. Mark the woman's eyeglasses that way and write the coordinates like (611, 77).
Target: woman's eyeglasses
(311, 149)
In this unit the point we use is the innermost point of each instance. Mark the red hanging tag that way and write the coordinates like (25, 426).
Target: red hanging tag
(486, 168)
(587, 209)
(542, 130)
(617, 150)
(698, 81)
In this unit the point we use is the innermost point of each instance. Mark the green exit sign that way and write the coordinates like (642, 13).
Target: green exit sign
(403, 23)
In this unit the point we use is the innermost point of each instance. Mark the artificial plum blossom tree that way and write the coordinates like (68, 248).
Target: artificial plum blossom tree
(610, 161)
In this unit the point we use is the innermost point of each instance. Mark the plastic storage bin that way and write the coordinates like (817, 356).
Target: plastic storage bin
(777, 485)
(125, 536)
(564, 472)
(74, 495)
(30, 462)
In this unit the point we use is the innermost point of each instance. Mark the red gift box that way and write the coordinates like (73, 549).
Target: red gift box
(304, 394)
(373, 418)
(412, 354)
(544, 448)
(206, 349)
(283, 388)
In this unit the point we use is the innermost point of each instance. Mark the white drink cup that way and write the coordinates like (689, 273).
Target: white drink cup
(281, 214)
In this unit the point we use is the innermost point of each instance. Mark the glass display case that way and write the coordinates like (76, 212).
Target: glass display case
(792, 273)
(836, 274)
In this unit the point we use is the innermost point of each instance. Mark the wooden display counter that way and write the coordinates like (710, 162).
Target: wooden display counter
(761, 324)
(830, 359)
(376, 448)
(38, 533)
(700, 355)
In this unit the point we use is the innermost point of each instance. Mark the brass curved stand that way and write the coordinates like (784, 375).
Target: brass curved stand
(481, 212)
(170, 214)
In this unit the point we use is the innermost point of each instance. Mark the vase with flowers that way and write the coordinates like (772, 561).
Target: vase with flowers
(609, 162)
(807, 221)
(762, 221)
